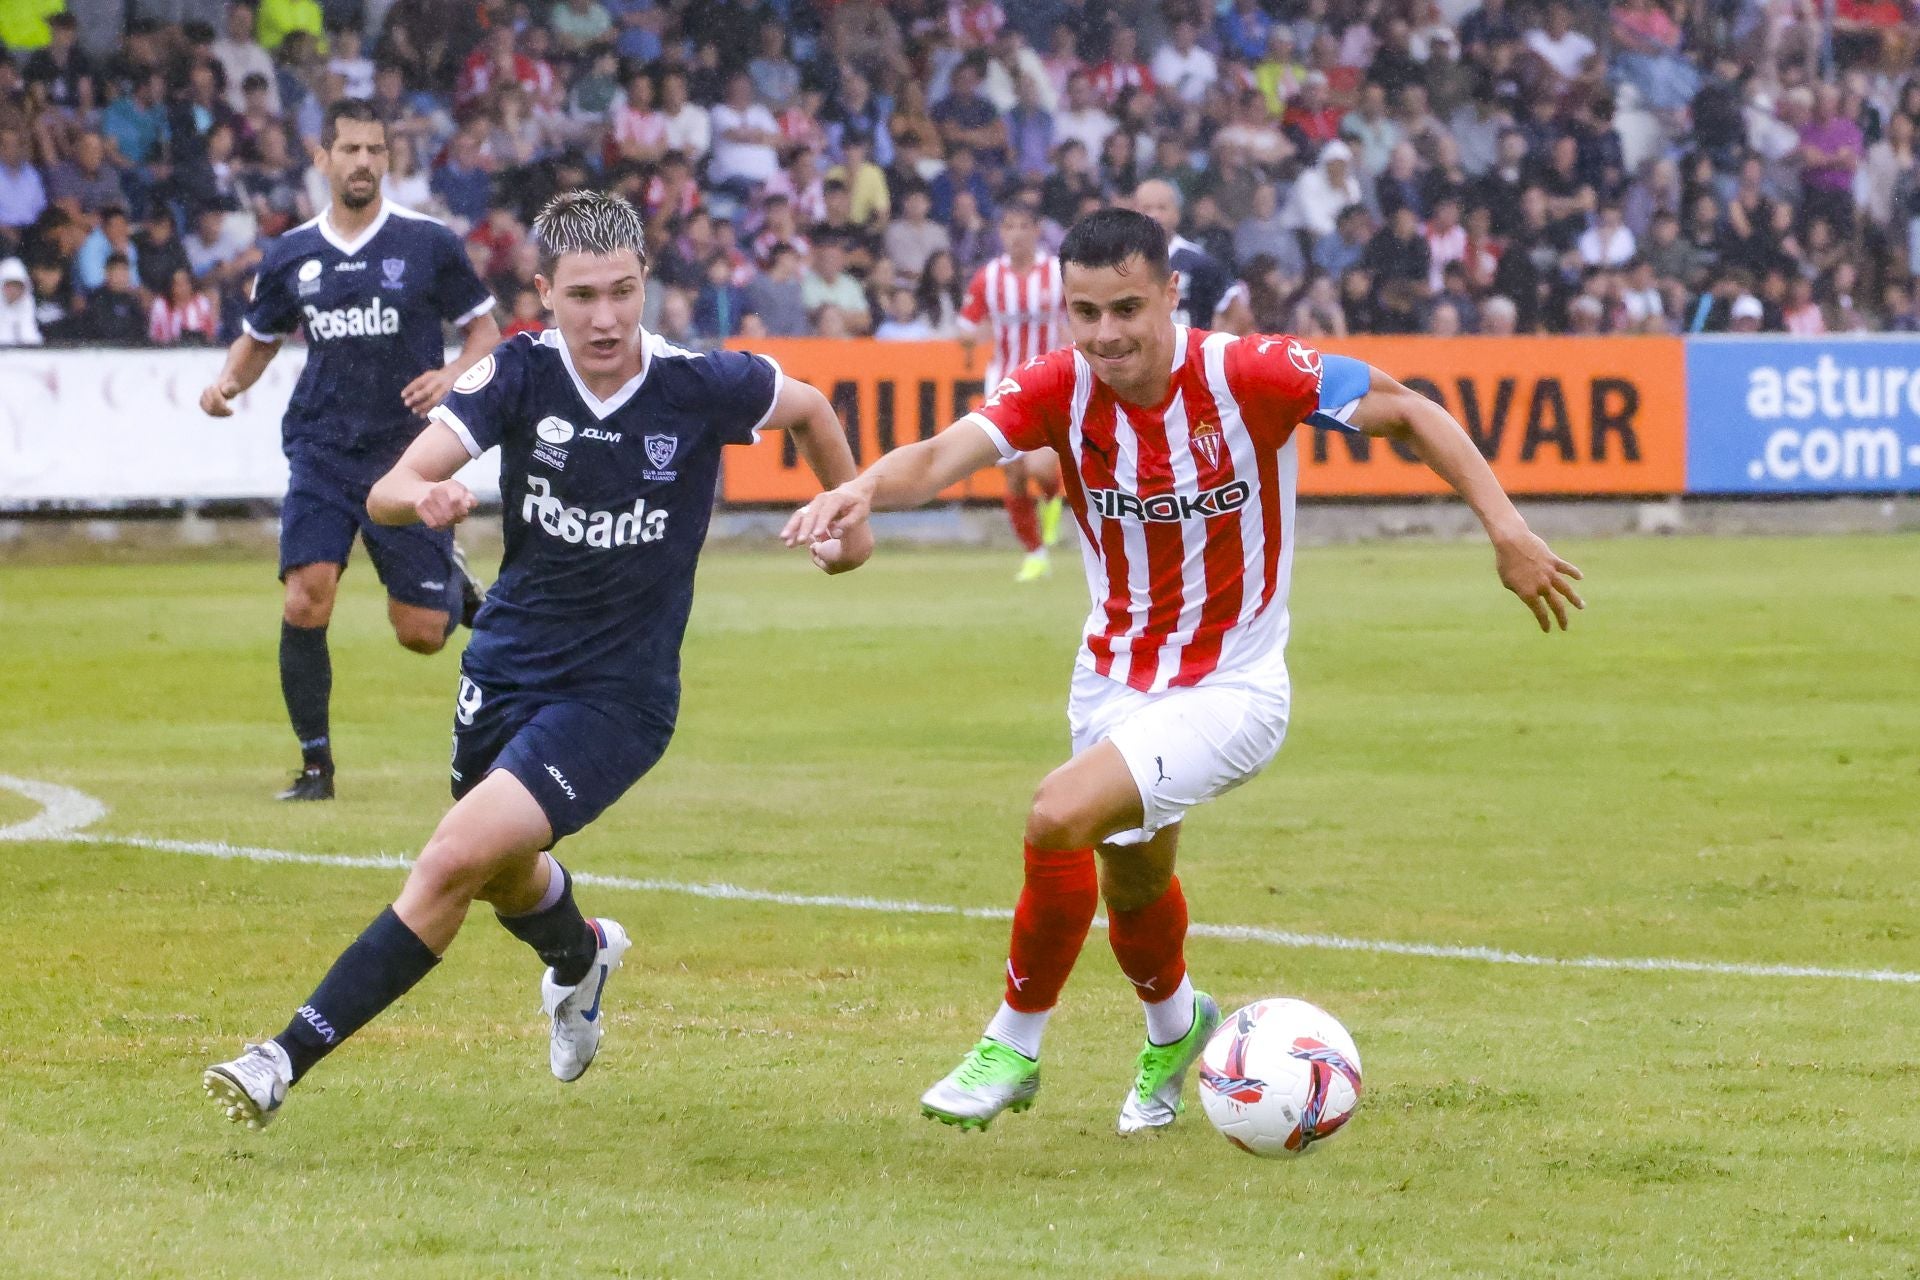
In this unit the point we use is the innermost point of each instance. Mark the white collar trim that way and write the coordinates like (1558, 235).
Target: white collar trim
(604, 409)
(351, 247)
(1179, 347)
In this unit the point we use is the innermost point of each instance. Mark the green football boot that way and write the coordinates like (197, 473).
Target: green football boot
(992, 1078)
(1154, 1101)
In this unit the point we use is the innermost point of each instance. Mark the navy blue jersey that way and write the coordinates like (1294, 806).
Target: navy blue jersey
(605, 504)
(1203, 283)
(373, 309)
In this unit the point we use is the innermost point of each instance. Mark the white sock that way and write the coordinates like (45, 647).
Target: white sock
(1170, 1019)
(1018, 1031)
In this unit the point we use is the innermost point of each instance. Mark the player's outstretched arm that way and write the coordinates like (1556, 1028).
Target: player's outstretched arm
(421, 486)
(247, 359)
(908, 477)
(1528, 567)
(806, 415)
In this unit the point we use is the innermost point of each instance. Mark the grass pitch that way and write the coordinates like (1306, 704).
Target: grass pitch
(1721, 763)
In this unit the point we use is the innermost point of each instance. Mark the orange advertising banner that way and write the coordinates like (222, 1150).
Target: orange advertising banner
(1554, 415)
(886, 393)
(1603, 415)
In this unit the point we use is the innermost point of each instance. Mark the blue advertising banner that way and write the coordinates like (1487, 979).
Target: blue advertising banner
(1803, 415)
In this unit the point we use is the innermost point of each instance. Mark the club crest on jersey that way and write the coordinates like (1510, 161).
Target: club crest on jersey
(660, 450)
(1170, 508)
(391, 270)
(1206, 442)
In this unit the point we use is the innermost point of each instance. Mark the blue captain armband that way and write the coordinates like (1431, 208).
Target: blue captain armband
(1343, 382)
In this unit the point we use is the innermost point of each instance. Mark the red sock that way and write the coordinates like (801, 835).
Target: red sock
(1050, 925)
(1023, 513)
(1150, 944)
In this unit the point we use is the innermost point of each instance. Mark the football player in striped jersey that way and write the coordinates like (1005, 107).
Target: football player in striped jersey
(1181, 450)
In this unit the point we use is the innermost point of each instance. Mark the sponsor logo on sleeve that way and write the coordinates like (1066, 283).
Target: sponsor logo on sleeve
(476, 375)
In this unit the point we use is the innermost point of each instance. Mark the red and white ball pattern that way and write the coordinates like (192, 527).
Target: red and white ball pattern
(1278, 1076)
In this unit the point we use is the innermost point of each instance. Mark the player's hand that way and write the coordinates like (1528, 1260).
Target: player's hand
(831, 515)
(445, 504)
(428, 390)
(1531, 570)
(845, 553)
(214, 401)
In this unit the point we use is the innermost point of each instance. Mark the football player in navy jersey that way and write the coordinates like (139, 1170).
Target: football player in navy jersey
(372, 283)
(610, 442)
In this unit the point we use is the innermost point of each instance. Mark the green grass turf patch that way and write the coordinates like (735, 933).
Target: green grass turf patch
(1719, 764)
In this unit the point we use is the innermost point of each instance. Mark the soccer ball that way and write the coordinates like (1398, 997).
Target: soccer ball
(1278, 1076)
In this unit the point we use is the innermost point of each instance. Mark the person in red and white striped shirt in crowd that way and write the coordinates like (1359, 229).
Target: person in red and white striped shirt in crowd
(1182, 448)
(182, 315)
(974, 23)
(1017, 300)
(639, 131)
(498, 62)
(1122, 69)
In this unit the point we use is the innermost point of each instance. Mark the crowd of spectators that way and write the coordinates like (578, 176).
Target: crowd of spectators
(836, 166)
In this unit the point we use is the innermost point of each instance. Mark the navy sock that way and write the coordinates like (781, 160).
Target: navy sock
(379, 967)
(306, 682)
(558, 934)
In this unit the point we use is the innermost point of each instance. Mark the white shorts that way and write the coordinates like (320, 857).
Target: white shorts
(1183, 746)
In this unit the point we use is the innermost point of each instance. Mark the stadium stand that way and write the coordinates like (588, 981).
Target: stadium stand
(834, 166)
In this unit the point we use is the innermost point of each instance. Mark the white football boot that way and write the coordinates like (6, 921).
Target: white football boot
(1154, 1102)
(576, 1010)
(251, 1088)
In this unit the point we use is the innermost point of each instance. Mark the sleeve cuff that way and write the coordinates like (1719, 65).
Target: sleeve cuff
(257, 336)
(779, 380)
(1007, 452)
(1340, 419)
(451, 420)
(473, 313)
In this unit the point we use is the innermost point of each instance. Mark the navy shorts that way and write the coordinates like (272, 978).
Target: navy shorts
(325, 507)
(576, 755)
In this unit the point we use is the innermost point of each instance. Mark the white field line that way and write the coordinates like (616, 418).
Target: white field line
(65, 811)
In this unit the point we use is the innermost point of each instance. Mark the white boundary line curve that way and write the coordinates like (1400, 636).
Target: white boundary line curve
(65, 812)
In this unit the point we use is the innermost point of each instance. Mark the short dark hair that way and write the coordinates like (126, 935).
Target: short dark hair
(358, 110)
(1109, 237)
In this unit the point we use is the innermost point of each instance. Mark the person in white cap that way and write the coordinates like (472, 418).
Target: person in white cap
(1746, 315)
(1322, 192)
(17, 325)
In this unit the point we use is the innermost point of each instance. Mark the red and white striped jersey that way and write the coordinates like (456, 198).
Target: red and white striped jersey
(1186, 508)
(1027, 309)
